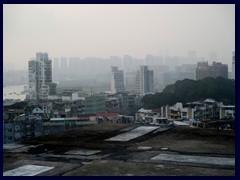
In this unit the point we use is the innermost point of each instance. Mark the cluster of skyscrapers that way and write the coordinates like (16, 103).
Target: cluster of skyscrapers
(134, 76)
(128, 63)
(144, 81)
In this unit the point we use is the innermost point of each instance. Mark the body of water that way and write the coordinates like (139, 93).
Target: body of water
(14, 92)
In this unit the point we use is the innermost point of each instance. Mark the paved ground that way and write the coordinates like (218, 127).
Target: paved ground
(134, 133)
(27, 170)
(84, 152)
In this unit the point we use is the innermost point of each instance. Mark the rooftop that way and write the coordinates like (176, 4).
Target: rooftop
(84, 151)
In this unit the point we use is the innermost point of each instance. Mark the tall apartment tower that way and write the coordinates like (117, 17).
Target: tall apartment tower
(40, 77)
(117, 81)
(203, 70)
(144, 81)
(233, 65)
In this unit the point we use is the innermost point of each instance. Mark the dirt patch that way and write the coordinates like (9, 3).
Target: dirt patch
(86, 137)
(182, 139)
(185, 139)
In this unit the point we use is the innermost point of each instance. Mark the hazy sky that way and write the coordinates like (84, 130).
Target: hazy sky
(105, 30)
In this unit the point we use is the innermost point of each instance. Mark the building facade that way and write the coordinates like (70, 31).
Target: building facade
(227, 112)
(40, 77)
(204, 70)
(144, 81)
(95, 104)
(117, 81)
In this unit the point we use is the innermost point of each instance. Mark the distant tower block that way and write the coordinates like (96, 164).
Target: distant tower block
(40, 77)
(117, 81)
(144, 81)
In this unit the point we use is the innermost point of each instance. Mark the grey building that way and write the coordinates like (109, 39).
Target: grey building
(23, 127)
(124, 103)
(95, 104)
(130, 81)
(117, 81)
(203, 70)
(8, 133)
(144, 81)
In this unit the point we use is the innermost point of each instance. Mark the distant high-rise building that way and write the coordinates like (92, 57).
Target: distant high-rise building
(157, 71)
(130, 81)
(40, 77)
(55, 63)
(186, 71)
(74, 65)
(218, 69)
(63, 61)
(115, 61)
(192, 57)
(117, 81)
(203, 70)
(55, 68)
(130, 63)
(144, 81)
(127, 63)
(233, 65)
(151, 60)
(172, 62)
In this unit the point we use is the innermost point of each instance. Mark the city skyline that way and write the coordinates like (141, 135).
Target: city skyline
(106, 30)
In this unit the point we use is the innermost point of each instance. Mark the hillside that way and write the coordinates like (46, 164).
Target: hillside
(220, 89)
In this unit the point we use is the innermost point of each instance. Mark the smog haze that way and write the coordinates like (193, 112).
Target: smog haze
(107, 30)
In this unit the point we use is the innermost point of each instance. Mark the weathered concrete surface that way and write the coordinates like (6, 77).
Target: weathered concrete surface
(12, 146)
(208, 160)
(123, 168)
(67, 157)
(60, 167)
(27, 170)
(83, 152)
(17, 148)
(137, 132)
(179, 123)
(126, 158)
(144, 148)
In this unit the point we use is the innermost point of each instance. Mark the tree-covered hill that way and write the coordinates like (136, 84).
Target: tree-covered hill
(220, 89)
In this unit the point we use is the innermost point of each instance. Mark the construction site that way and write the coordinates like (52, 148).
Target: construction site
(115, 149)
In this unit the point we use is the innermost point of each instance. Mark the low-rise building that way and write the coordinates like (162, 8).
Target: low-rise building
(23, 127)
(95, 104)
(227, 112)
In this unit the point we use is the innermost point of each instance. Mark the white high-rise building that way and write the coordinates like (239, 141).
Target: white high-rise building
(40, 77)
(117, 81)
(144, 81)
